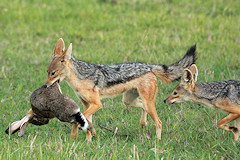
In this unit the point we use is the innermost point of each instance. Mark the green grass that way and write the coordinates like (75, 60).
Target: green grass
(149, 31)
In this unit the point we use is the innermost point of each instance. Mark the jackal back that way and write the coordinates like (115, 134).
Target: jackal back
(109, 75)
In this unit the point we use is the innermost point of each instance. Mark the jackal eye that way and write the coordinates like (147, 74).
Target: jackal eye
(53, 73)
(174, 93)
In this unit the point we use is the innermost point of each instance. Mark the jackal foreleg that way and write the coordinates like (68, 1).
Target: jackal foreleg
(223, 124)
(74, 131)
(91, 110)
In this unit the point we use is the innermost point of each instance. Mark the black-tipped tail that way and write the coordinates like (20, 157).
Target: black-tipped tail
(174, 71)
(191, 53)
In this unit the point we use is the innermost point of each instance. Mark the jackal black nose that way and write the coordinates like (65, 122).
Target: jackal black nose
(45, 86)
(164, 101)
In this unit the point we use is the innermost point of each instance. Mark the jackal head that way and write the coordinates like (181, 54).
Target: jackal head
(58, 68)
(185, 90)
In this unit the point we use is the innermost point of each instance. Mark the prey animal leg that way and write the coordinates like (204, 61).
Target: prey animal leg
(25, 122)
(20, 125)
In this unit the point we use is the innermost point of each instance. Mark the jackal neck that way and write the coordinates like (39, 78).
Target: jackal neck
(207, 91)
(81, 68)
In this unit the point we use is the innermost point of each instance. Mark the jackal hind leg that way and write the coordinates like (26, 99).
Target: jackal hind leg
(148, 92)
(130, 99)
(229, 118)
(74, 131)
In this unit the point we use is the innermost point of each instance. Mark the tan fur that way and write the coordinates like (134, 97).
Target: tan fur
(190, 87)
(59, 47)
(135, 83)
(194, 72)
(74, 131)
(222, 124)
(227, 106)
(163, 77)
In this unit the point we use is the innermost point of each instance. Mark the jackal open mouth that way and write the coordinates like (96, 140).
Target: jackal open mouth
(58, 81)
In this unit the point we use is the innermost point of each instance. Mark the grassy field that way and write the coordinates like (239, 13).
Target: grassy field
(109, 32)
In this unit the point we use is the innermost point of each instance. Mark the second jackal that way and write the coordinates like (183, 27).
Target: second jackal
(224, 96)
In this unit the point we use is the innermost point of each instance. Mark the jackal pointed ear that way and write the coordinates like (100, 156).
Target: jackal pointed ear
(187, 77)
(194, 71)
(59, 47)
(67, 53)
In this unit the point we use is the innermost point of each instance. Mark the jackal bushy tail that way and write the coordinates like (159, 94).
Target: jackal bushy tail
(174, 71)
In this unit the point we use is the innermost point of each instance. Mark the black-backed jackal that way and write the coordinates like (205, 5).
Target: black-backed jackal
(224, 96)
(93, 82)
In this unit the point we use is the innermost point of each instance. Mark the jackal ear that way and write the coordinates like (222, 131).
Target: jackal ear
(187, 77)
(59, 47)
(194, 71)
(67, 53)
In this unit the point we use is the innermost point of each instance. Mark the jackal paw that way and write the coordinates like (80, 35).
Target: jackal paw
(236, 136)
(73, 137)
(158, 133)
(143, 124)
(89, 136)
(235, 132)
(93, 132)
